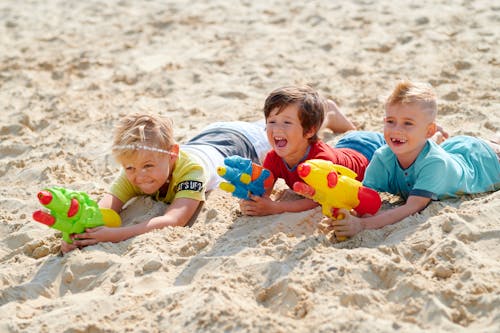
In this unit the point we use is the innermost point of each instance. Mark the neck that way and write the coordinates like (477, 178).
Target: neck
(406, 160)
(292, 165)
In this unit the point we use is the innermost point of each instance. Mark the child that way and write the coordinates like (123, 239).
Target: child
(153, 164)
(294, 116)
(418, 169)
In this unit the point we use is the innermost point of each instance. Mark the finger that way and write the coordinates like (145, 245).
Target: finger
(84, 242)
(255, 198)
(65, 247)
(251, 210)
(83, 235)
(91, 230)
(341, 228)
(337, 223)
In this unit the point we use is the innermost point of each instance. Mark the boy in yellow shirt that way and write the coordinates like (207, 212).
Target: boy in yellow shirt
(154, 164)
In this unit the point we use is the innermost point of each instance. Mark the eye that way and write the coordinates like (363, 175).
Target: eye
(389, 121)
(408, 123)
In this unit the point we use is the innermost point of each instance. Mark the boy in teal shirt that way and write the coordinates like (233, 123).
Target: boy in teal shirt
(418, 169)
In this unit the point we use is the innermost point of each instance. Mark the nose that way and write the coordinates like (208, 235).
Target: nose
(274, 126)
(141, 173)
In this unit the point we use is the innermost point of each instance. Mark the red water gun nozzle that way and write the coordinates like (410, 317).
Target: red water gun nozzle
(45, 197)
(43, 217)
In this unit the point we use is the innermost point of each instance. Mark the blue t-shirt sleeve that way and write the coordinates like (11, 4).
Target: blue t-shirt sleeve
(376, 175)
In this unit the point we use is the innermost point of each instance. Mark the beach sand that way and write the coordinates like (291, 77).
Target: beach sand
(70, 69)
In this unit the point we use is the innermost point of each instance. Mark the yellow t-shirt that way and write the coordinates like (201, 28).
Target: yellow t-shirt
(188, 181)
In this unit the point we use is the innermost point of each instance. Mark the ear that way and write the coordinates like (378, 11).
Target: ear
(431, 129)
(309, 134)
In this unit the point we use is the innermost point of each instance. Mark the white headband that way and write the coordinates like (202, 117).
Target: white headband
(139, 147)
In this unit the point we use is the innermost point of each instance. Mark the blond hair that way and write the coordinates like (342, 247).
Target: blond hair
(141, 131)
(420, 93)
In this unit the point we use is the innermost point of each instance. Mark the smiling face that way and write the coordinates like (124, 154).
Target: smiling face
(406, 130)
(286, 134)
(148, 170)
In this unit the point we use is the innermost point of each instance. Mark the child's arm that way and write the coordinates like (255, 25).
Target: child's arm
(351, 225)
(110, 201)
(177, 214)
(260, 206)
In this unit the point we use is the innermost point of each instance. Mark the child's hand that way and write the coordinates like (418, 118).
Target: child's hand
(93, 236)
(348, 226)
(66, 247)
(258, 206)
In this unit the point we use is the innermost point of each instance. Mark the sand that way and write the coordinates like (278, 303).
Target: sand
(70, 69)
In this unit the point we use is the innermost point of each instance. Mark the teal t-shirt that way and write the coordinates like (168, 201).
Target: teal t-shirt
(460, 165)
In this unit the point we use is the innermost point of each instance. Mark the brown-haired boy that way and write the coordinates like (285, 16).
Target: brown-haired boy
(294, 115)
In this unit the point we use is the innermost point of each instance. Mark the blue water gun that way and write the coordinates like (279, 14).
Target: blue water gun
(244, 177)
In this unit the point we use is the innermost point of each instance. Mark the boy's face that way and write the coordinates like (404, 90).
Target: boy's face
(406, 130)
(286, 135)
(148, 170)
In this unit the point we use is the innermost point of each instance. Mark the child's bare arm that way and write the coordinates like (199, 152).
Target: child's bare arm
(351, 225)
(110, 201)
(261, 206)
(177, 214)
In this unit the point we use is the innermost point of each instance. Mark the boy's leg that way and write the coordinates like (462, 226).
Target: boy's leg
(335, 120)
(365, 142)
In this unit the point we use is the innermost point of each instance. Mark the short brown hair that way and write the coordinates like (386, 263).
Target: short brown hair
(311, 106)
(408, 92)
(141, 129)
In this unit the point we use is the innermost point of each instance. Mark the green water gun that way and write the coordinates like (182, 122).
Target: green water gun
(71, 212)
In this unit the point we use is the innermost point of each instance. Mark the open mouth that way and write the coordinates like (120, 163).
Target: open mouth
(280, 142)
(398, 141)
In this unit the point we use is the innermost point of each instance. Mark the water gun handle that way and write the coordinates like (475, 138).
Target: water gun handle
(338, 216)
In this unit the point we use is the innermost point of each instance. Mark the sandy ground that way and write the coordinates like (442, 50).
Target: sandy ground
(70, 69)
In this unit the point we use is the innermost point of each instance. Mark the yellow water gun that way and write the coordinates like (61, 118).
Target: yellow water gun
(334, 186)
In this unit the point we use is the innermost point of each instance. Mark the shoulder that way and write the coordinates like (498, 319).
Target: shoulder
(320, 144)
(384, 154)
(432, 155)
(186, 164)
(319, 148)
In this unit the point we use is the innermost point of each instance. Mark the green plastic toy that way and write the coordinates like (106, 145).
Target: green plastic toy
(71, 212)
